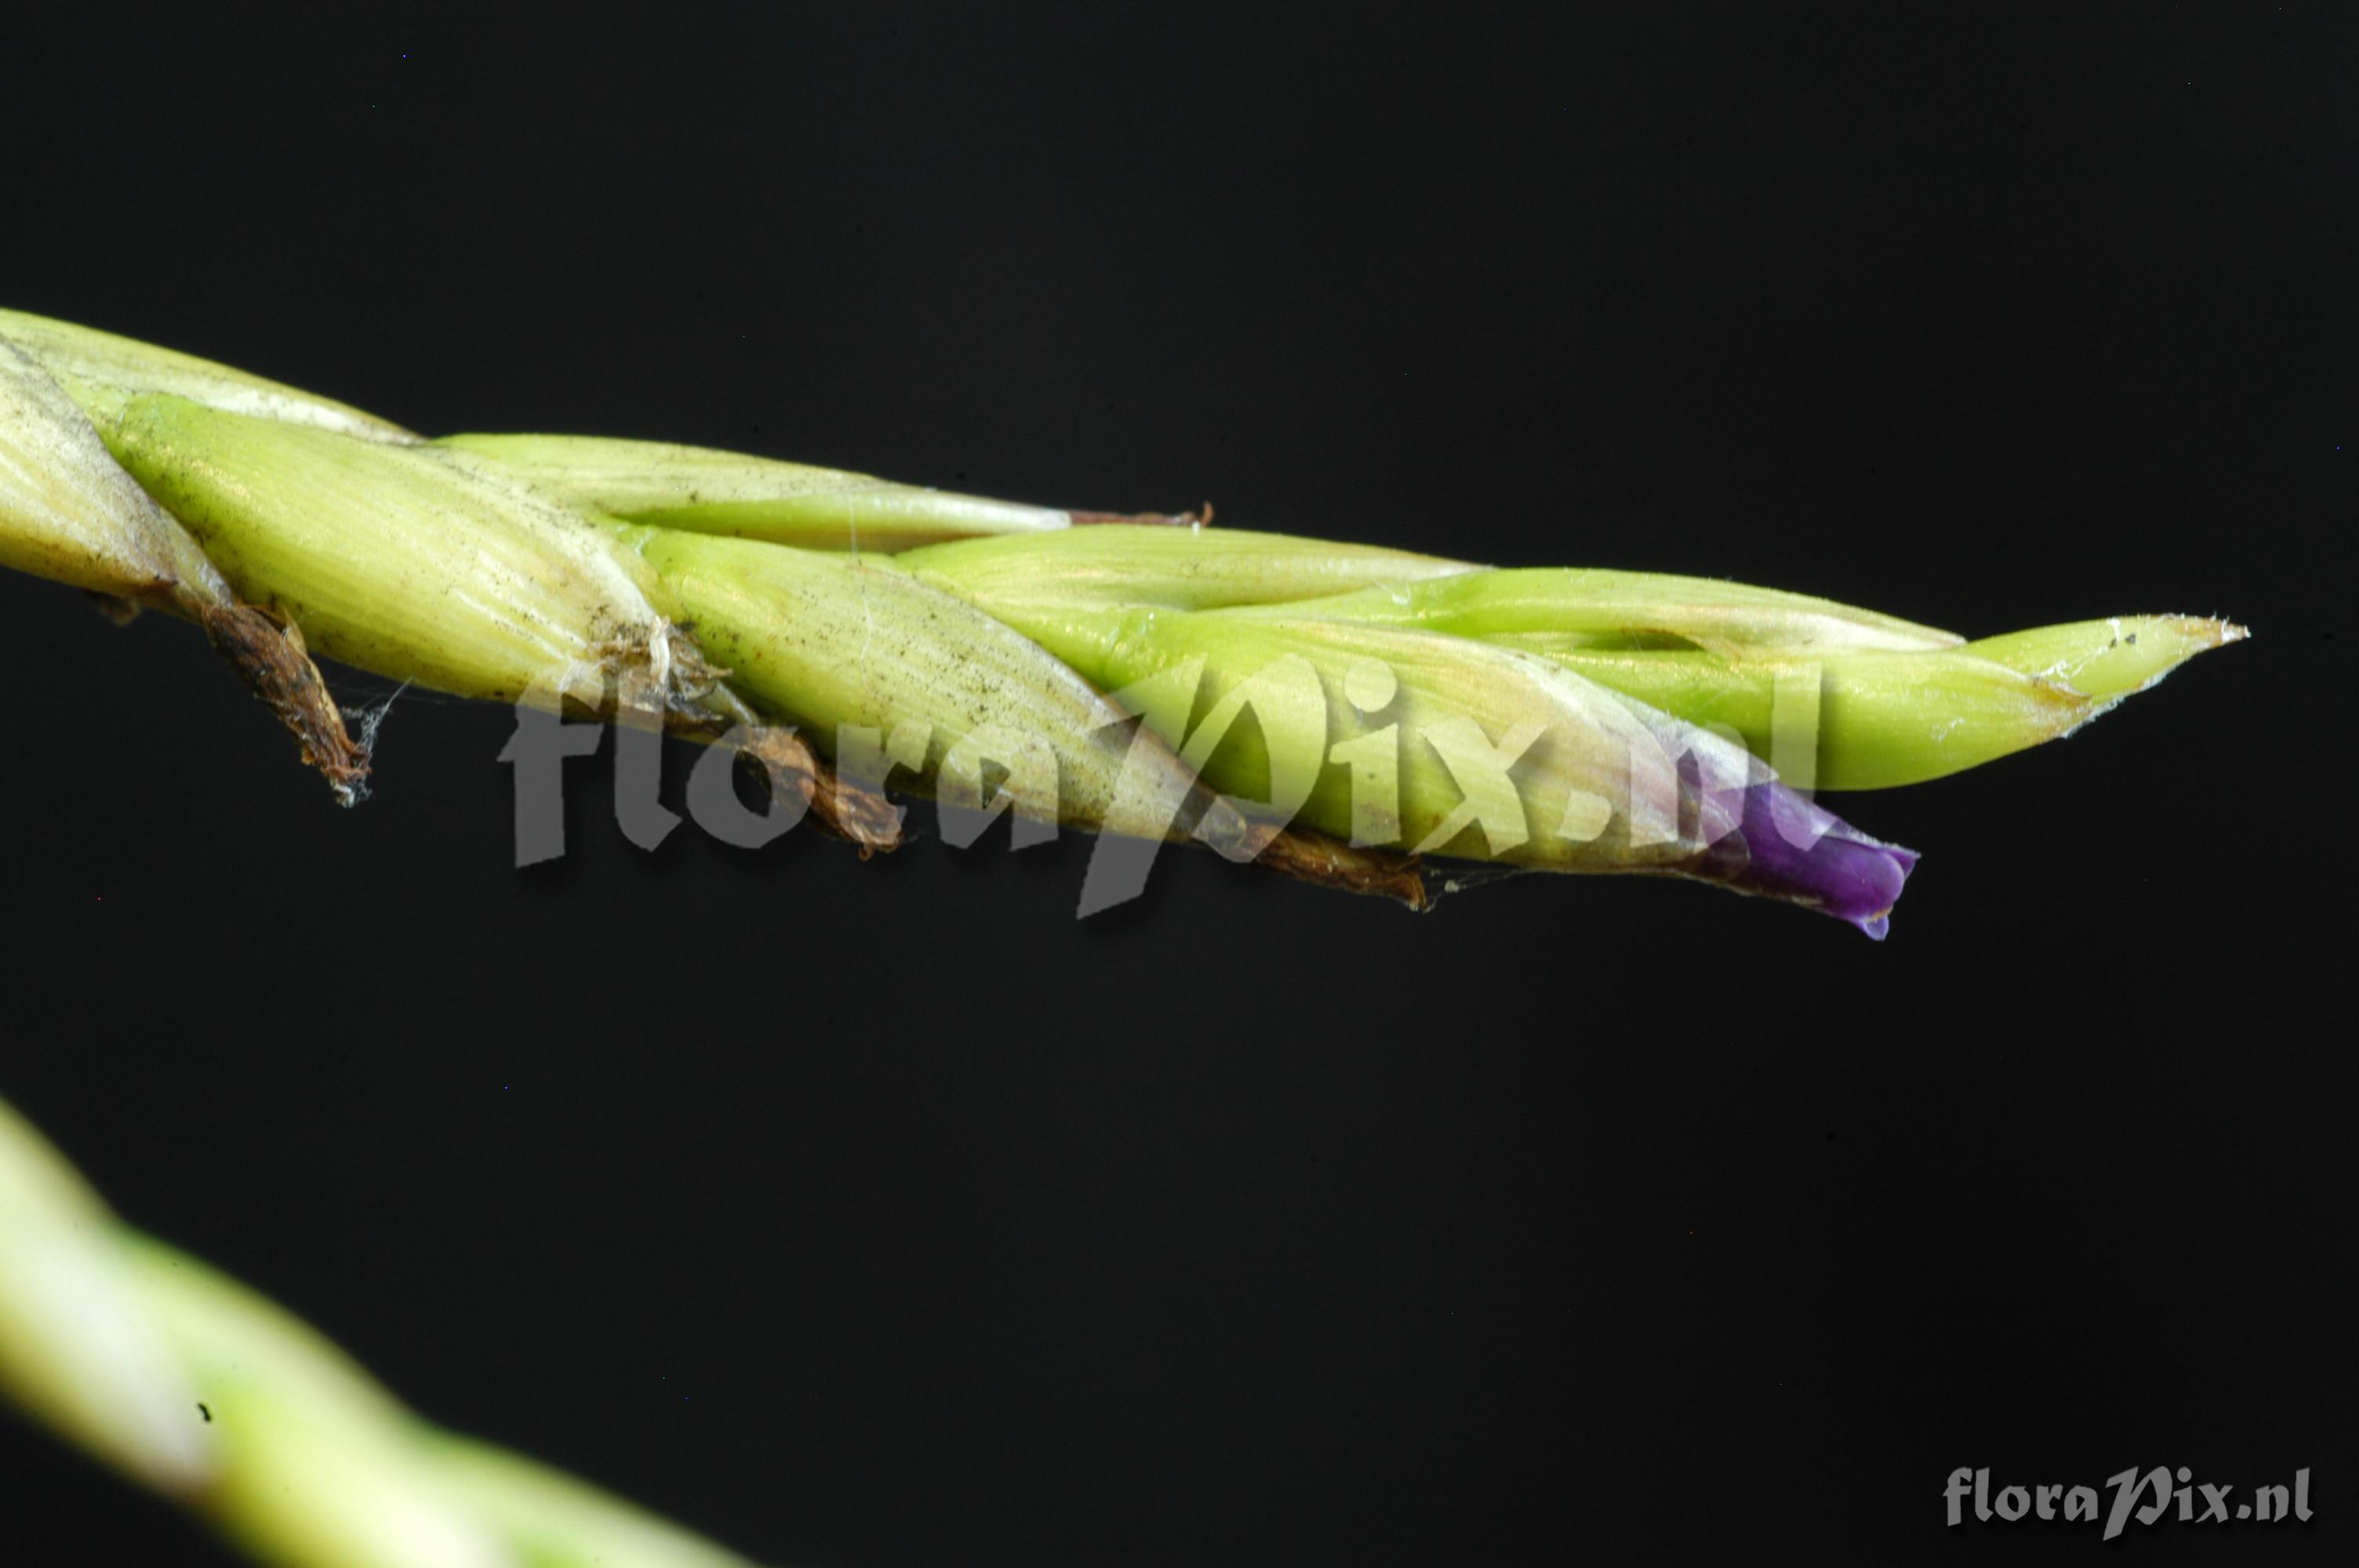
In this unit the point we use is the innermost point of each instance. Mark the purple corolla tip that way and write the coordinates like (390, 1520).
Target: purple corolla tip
(1803, 854)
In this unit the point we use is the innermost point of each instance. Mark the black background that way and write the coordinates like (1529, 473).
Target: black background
(882, 1213)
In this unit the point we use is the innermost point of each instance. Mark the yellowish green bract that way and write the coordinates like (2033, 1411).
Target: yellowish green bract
(707, 492)
(104, 372)
(1881, 701)
(395, 559)
(833, 641)
(68, 511)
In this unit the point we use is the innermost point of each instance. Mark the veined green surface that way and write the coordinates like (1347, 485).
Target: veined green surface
(1884, 718)
(69, 513)
(396, 559)
(1836, 696)
(835, 641)
(1826, 696)
(1617, 608)
(2110, 659)
(711, 492)
(1216, 568)
(104, 372)
(1854, 719)
(1597, 788)
(1174, 567)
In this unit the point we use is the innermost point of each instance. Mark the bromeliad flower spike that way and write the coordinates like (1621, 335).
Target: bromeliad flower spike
(837, 627)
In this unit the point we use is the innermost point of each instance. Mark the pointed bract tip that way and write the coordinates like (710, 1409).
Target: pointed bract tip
(2111, 658)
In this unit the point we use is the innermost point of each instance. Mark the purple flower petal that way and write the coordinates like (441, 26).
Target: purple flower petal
(1787, 847)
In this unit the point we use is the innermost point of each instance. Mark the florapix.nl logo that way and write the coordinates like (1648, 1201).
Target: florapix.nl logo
(2149, 1496)
(1356, 759)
